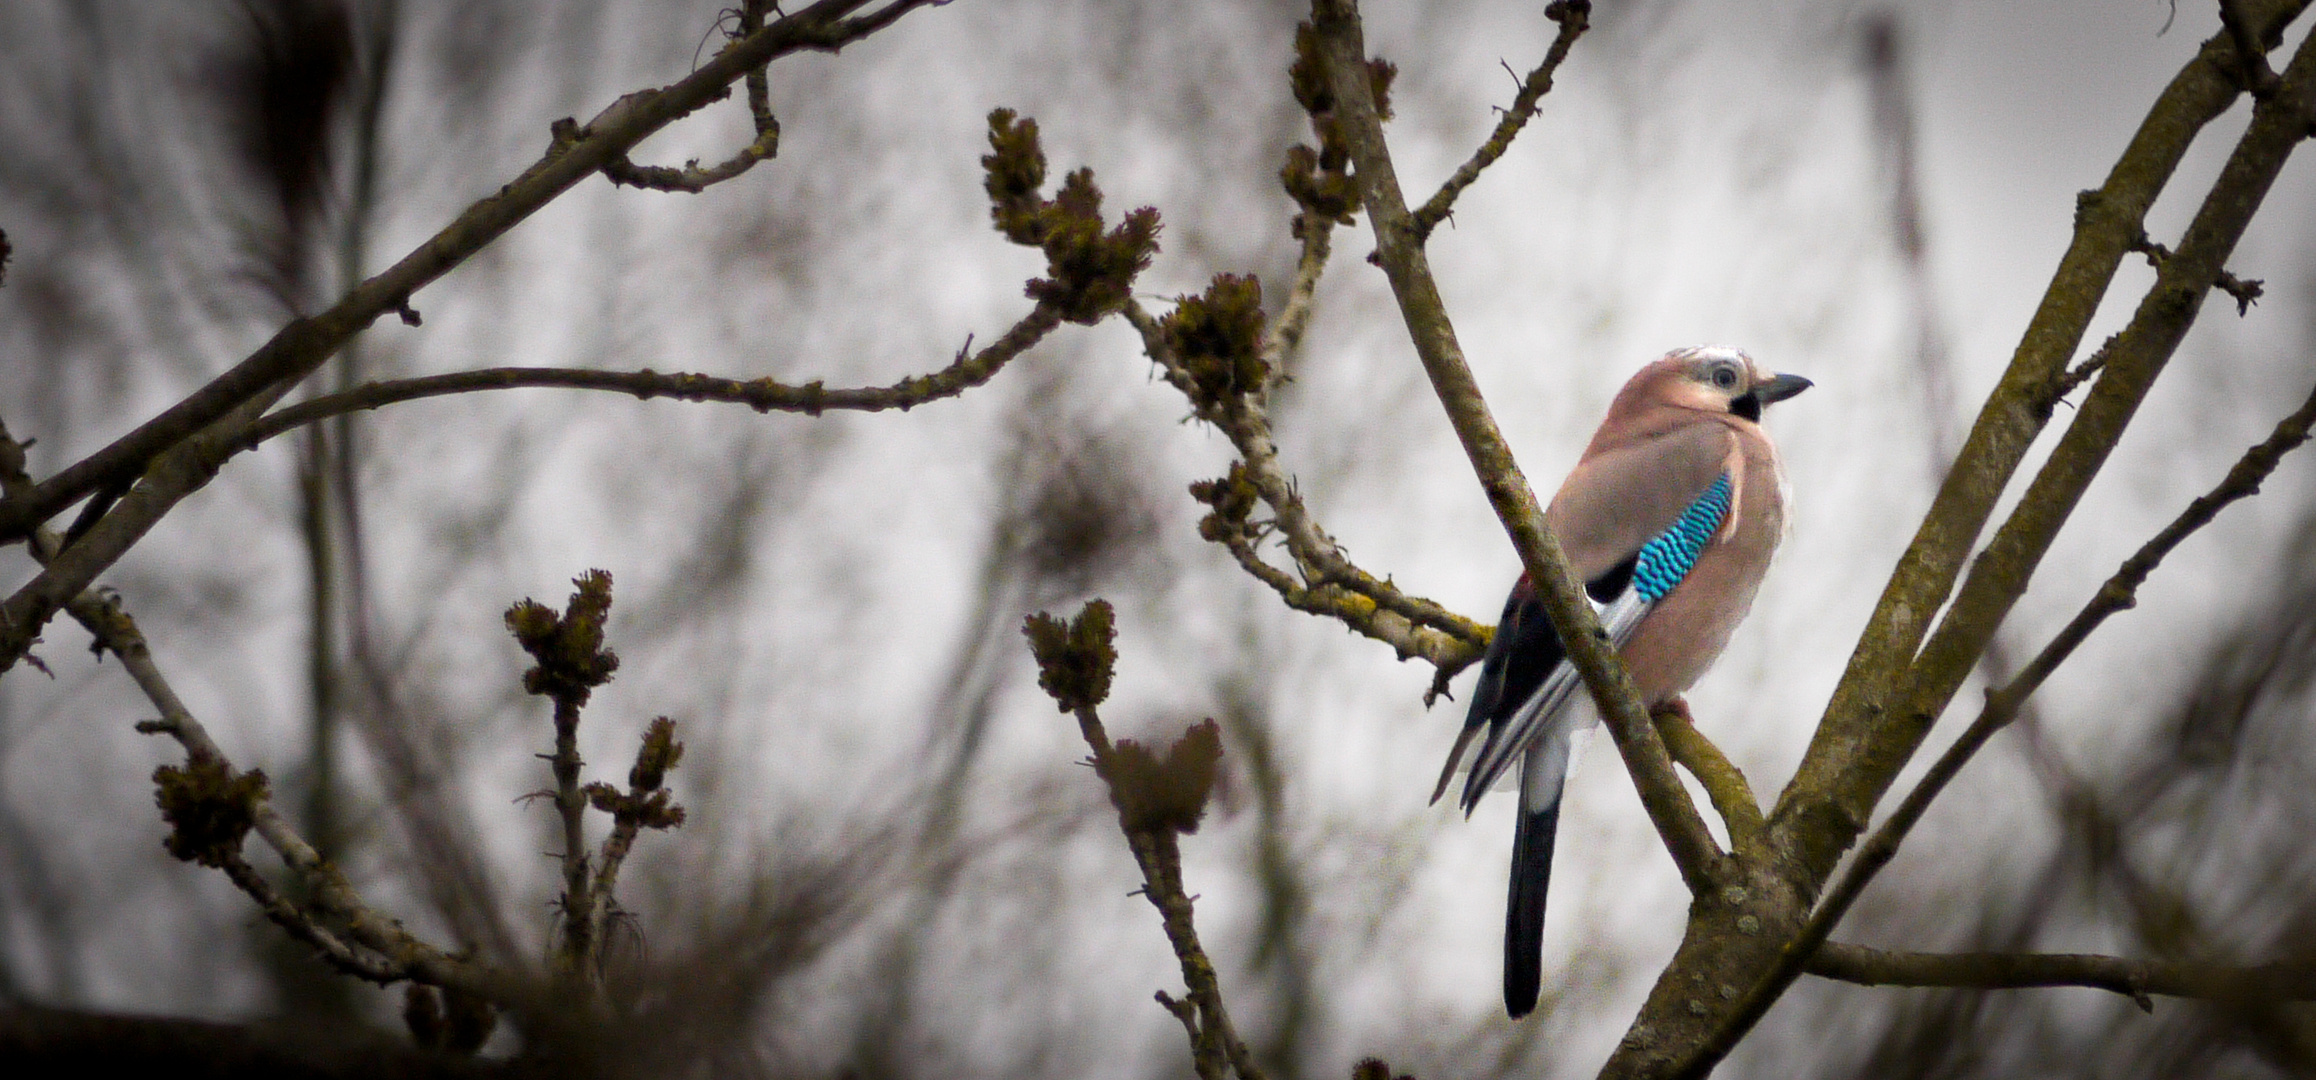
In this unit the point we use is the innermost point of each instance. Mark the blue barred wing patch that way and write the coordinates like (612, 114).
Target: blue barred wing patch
(1664, 561)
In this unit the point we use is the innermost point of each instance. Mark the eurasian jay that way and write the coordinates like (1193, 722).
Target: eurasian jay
(1669, 518)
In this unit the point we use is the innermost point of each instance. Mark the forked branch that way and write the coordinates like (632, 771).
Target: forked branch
(2002, 705)
(1574, 17)
(1425, 314)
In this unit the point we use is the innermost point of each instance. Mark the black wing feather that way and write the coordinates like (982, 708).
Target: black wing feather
(1525, 650)
(1524, 915)
(1520, 656)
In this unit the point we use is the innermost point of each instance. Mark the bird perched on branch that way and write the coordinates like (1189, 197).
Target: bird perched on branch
(1669, 518)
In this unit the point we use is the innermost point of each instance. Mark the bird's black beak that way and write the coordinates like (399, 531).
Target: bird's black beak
(1777, 388)
(1780, 387)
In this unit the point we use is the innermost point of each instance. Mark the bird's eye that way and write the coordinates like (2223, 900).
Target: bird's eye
(1725, 376)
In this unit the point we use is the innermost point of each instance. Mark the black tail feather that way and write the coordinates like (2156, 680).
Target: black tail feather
(1524, 916)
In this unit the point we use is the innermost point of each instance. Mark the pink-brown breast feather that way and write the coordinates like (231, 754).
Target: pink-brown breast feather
(1625, 493)
(1687, 630)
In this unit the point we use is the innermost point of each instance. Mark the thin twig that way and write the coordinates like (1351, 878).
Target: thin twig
(2135, 979)
(299, 924)
(1157, 799)
(577, 918)
(2245, 291)
(363, 942)
(1574, 17)
(968, 370)
(2081, 373)
(645, 805)
(692, 178)
(1214, 1040)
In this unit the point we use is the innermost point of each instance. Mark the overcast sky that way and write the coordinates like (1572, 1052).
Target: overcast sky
(815, 598)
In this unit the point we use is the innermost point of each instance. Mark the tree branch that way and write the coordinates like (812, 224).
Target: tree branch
(645, 805)
(571, 663)
(1810, 819)
(177, 473)
(1883, 707)
(1157, 798)
(2003, 705)
(576, 153)
(1999, 575)
(692, 178)
(1732, 796)
(180, 450)
(967, 371)
(1331, 584)
(2135, 979)
(301, 925)
(362, 942)
(1574, 17)
(1420, 305)
(2260, 80)
(1285, 335)
(1237, 362)
(2245, 291)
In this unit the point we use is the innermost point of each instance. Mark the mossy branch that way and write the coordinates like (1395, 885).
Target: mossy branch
(1724, 784)
(2002, 705)
(1515, 503)
(1998, 576)
(1809, 818)
(1890, 694)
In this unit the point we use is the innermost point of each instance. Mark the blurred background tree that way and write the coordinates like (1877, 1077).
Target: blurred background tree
(892, 865)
